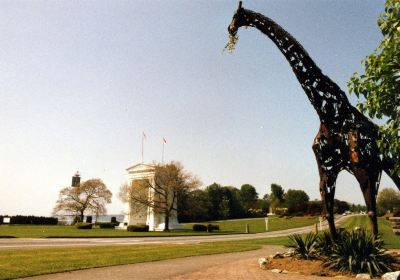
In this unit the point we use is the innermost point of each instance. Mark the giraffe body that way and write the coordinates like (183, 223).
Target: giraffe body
(346, 139)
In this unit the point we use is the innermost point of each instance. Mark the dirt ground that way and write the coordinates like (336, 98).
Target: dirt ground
(243, 265)
(249, 269)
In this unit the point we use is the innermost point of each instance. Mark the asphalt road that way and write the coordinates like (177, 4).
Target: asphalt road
(8, 243)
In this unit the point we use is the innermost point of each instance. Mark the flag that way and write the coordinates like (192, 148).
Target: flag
(144, 135)
(164, 141)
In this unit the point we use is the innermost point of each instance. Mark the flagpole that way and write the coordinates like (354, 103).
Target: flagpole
(163, 145)
(162, 157)
(142, 145)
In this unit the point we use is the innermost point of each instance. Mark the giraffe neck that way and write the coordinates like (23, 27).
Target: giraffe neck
(327, 98)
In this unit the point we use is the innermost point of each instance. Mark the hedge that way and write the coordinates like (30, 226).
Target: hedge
(107, 225)
(84, 225)
(30, 220)
(138, 228)
(199, 227)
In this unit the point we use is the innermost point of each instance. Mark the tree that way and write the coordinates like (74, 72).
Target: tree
(277, 195)
(90, 196)
(248, 196)
(193, 206)
(387, 200)
(295, 197)
(340, 206)
(380, 85)
(161, 192)
(215, 194)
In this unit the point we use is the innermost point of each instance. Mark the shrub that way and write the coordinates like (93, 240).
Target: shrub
(32, 220)
(314, 208)
(324, 244)
(106, 225)
(199, 227)
(211, 227)
(84, 225)
(304, 249)
(356, 251)
(138, 228)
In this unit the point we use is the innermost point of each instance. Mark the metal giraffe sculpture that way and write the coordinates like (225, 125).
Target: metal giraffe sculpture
(346, 138)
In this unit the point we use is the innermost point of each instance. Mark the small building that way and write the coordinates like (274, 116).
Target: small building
(139, 214)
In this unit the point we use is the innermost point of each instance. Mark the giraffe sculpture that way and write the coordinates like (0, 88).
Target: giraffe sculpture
(346, 139)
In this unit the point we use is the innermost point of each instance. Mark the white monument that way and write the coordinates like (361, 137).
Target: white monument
(139, 214)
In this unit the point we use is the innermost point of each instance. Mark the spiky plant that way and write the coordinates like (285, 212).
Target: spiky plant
(356, 251)
(303, 248)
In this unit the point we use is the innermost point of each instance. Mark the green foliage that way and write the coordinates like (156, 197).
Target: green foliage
(194, 206)
(355, 208)
(248, 196)
(295, 197)
(107, 225)
(304, 248)
(277, 195)
(379, 86)
(340, 206)
(199, 227)
(84, 225)
(387, 200)
(138, 228)
(324, 243)
(211, 227)
(356, 251)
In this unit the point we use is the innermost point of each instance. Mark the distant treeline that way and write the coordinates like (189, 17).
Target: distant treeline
(29, 220)
(217, 202)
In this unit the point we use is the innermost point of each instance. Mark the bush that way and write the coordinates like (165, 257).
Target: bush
(199, 227)
(211, 227)
(138, 228)
(295, 210)
(106, 225)
(356, 251)
(315, 208)
(304, 249)
(84, 225)
(32, 220)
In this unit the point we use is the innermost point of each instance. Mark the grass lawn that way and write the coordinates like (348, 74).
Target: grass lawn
(226, 227)
(258, 224)
(28, 262)
(35, 231)
(385, 229)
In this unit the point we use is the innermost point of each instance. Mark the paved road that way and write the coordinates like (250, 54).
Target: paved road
(8, 243)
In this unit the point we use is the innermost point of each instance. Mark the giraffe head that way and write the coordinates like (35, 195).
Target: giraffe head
(239, 19)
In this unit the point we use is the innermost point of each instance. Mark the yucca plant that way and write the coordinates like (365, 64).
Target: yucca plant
(325, 243)
(303, 248)
(356, 251)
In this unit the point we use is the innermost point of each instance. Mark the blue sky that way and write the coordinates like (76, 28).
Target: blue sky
(81, 80)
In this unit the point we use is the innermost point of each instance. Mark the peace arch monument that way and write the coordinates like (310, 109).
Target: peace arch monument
(135, 213)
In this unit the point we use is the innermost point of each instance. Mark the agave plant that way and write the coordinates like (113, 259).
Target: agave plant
(303, 248)
(325, 243)
(356, 251)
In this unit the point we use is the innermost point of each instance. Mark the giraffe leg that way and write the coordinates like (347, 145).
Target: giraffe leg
(327, 190)
(369, 186)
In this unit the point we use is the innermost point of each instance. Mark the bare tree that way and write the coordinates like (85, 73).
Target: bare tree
(160, 192)
(90, 196)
